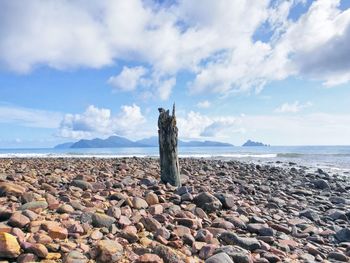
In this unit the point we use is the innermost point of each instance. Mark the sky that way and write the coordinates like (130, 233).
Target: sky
(276, 71)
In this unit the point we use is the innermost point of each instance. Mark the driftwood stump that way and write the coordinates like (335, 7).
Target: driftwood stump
(169, 162)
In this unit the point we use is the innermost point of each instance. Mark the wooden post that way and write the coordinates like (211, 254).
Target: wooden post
(169, 162)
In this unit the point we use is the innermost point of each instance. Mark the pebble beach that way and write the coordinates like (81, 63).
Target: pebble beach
(79, 210)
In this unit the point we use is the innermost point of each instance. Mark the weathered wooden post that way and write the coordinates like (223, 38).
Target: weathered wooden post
(169, 162)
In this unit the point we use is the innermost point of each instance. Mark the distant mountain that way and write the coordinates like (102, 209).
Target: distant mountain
(149, 142)
(153, 142)
(110, 142)
(252, 143)
(64, 145)
(117, 141)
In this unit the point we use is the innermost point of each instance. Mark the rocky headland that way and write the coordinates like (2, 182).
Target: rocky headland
(115, 210)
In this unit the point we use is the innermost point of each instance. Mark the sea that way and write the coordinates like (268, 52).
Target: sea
(335, 159)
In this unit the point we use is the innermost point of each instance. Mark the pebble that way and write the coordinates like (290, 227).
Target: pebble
(219, 258)
(75, 257)
(152, 199)
(9, 247)
(207, 202)
(338, 256)
(230, 238)
(139, 203)
(149, 258)
(115, 210)
(102, 220)
(109, 251)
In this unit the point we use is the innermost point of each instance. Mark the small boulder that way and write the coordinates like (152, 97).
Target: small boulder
(207, 202)
(343, 235)
(75, 257)
(81, 184)
(18, 220)
(7, 188)
(338, 256)
(149, 258)
(38, 250)
(152, 199)
(167, 254)
(236, 253)
(321, 184)
(65, 209)
(230, 238)
(109, 251)
(34, 205)
(102, 220)
(310, 214)
(219, 258)
(9, 247)
(139, 203)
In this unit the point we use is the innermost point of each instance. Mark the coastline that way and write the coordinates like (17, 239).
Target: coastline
(66, 208)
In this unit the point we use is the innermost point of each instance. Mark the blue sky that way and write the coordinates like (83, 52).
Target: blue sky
(273, 71)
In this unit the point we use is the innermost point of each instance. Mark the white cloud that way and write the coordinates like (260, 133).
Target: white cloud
(129, 119)
(293, 107)
(306, 129)
(213, 40)
(29, 117)
(165, 88)
(203, 104)
(194, 125)
(96, 122)
(128, 79)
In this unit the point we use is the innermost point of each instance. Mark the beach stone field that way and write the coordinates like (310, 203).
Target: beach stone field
(79, 210)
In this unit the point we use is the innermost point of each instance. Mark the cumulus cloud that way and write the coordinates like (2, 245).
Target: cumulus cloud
(212, 40)
(128, 79)
(315, 44)
(29, 117)
(100, 122)
(195, 125)
(306, 129)
(203, 104)
(292, 107)
(165, 88)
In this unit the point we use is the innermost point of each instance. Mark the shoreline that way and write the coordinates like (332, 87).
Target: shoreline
(102, 209)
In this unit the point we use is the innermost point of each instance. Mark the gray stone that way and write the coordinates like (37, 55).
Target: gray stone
(34, 205)
(207, 202)
(81, 184)
(338, 256)
(230, 238)
(75, 257)
(102, 220)
(219, 258)
(236, 253)
(310, 214)
(343, 235)
(336, 214)
(266, 231)
(338, 200)
(321, 184)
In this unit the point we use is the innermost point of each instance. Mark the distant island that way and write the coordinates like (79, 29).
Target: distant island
(120, 142)
(252, 143)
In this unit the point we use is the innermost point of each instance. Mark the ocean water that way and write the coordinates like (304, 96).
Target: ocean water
(334, 158)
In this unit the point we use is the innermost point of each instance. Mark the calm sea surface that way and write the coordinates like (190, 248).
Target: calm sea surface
(326, 157)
